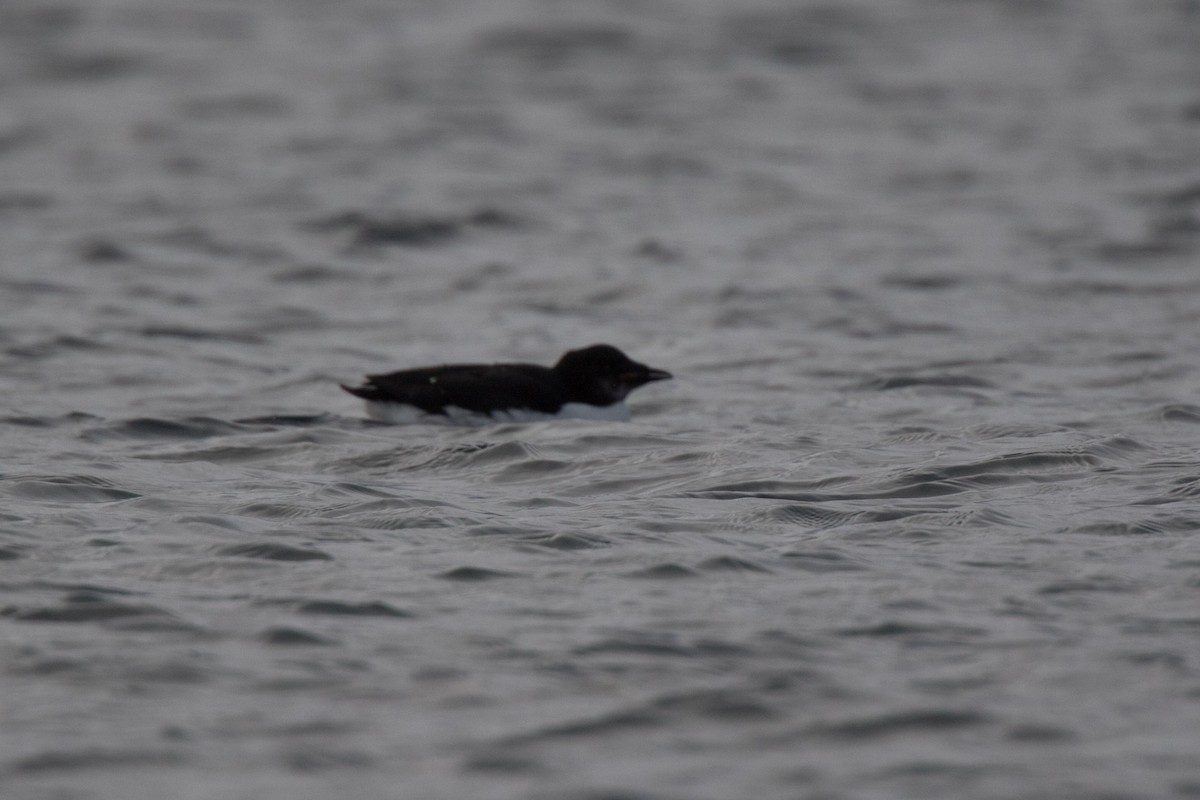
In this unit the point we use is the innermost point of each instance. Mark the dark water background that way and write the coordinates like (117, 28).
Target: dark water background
(918, 518)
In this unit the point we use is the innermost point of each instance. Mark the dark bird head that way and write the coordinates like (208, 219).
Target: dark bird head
(601, 375)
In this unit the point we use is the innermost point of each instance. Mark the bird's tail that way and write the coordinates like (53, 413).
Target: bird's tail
(366, 391)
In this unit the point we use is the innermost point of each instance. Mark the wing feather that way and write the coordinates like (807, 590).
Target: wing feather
(473, 387)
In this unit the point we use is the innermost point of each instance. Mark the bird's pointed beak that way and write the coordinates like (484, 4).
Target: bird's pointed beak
(657, 375)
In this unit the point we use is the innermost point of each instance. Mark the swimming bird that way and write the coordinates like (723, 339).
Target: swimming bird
(589, 383)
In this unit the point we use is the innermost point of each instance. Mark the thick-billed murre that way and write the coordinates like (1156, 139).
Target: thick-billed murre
(589, 383)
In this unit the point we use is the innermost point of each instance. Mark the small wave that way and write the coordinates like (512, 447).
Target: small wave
(1038, 733)
(731, 564)
(429, 459)
(820, 35)
(822, 560)
(721, 705)
(411, 230)
(344, 609)
(285, 636)
(1014, 430)
(288, 420)
(650, 644)
(536, 469)
(236, 105)
(12, 552)
(280, 511)
(161, 428)
(315, 273)
(216, 455)
(668, 571)
(91, 66)
(950, 479)
(601, 725)
(1097, 583)
(1018, 463)
(56, 761)
(83, 606)
(1180, 412)
(29, 421)
(909, 630)
(557, 44)
(503, 762)
(902, 723)
(566, 541)
(914, 486)
(53, 346)
(273, 551)
(939, 380)
(469, 574)
(310, 759)
(812, 515)
(102, 250)
(199, 334)
(923, 281)
(66, 489)
(1140, 527)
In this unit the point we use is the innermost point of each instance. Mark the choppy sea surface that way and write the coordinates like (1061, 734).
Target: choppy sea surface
(917, 518)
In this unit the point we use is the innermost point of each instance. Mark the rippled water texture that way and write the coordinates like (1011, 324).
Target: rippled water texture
(916, 519)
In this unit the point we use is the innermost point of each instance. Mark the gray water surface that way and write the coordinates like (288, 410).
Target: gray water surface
(917, 518)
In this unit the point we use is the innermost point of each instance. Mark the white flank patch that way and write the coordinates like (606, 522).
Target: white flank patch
(617, 412)
(402, 414)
